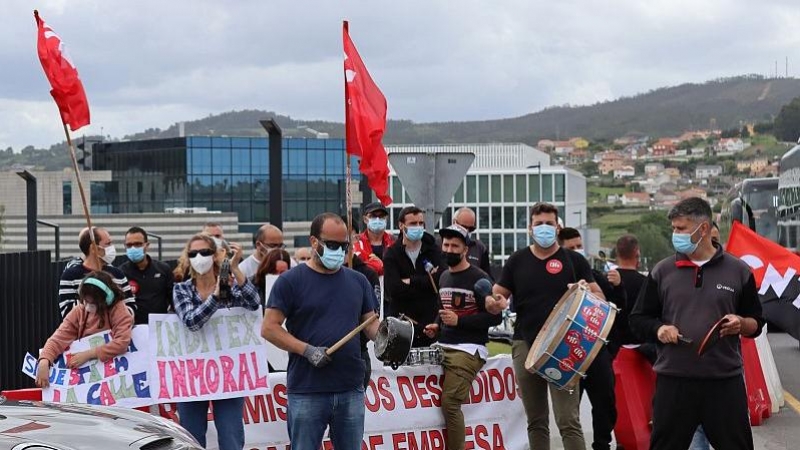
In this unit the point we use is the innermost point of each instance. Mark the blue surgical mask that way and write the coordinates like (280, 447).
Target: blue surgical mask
(544, 235)
(332, 259)
(414, 233)
(135, 254)
(376, 224)
(581, 252)
(683, 242)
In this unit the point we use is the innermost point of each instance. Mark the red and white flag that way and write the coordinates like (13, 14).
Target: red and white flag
(365, 121)
(777, 274)
(63, 77)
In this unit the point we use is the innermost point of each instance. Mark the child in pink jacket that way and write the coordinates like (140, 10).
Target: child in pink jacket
(101, 308)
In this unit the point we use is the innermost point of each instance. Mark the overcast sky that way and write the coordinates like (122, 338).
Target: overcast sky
(151, 63)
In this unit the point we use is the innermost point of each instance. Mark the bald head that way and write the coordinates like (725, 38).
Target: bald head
(268, 238)
(466, 218)
(302, 254)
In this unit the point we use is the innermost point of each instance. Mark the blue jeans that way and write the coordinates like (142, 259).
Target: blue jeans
(699, 440)
(228, 419)
(310, 414)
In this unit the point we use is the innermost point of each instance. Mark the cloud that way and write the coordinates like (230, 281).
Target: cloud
(151, 63)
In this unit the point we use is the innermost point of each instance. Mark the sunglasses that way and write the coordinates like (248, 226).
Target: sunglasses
(469, 229)
(335, 245)
(202, 252)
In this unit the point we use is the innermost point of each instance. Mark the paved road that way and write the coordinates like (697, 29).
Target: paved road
(779, 432)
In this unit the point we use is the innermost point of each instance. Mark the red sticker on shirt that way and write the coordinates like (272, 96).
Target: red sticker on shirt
(134, 287)
(554, 266)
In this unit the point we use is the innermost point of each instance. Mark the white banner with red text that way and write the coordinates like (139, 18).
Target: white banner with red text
(225, 358)
(402, 411)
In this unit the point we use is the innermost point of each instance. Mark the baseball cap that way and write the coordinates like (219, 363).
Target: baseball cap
(375, 206)
(456, 231)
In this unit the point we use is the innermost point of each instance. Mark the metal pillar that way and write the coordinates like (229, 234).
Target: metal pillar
(30, 185)
(275, 171)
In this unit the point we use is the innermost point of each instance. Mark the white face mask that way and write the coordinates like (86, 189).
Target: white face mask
(111, 254)
(90, 307)
(202, 264)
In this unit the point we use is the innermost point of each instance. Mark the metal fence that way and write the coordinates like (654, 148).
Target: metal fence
(28, 310)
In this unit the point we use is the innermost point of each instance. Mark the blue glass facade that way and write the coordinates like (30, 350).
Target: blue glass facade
(228, 174)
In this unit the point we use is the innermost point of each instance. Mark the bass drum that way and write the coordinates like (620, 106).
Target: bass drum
(393, 342)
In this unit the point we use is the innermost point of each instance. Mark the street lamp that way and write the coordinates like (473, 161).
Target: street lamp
(538, 167)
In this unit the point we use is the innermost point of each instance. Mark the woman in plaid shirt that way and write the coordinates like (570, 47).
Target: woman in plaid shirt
(196, 300)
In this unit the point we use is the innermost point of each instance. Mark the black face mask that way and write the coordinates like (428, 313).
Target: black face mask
(452, 259)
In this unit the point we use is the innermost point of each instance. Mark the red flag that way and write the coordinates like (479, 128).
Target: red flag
(63, 77)
(776, 271)
(365, 121)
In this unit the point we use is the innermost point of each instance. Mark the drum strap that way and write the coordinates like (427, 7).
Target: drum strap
(570, 264)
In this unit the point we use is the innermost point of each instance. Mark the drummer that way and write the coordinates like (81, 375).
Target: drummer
(537, 277)
(463, 329)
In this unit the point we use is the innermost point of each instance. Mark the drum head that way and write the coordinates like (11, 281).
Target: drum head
(554, 325)
(381, 340)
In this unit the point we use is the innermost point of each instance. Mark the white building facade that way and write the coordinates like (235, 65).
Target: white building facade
(501, 186)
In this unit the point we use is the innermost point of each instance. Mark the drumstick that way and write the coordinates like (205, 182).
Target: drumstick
(350, 335)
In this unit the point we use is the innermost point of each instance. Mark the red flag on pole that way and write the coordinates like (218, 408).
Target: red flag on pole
(365, 121)
(63, 77)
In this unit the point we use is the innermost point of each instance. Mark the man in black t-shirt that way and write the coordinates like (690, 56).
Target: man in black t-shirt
(151, 280)
(463, 328)
(537, 277)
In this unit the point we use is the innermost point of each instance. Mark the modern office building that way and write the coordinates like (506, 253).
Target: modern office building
(226, 174)
(501, 186)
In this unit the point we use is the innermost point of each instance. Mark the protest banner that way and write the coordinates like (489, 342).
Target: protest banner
(226, 358)
(120, 381)
(402, 411)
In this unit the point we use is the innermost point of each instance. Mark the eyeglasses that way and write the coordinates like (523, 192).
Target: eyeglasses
(335, 245)
(469, 229)
(134, 244)
(273, 246)
(202, 252)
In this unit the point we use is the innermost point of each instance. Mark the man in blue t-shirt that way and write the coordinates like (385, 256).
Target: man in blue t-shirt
(321, 302)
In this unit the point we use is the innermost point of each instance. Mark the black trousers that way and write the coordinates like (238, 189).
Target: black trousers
(599, 386)
(720, 405)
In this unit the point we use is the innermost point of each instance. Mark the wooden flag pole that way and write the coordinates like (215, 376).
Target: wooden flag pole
(348, 168)
(80, 189)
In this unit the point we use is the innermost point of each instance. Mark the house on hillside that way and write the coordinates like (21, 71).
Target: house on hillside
(624, 172)
(692, 192)
(673, 172)
(578, 156)
(545, 145)
(651, 185)
(665, 198)
(702, 172)
(758, 165)
(730, 145)
(610, 161)
(653, 169)
(663, 147)
(635, 199)
(563, 148)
